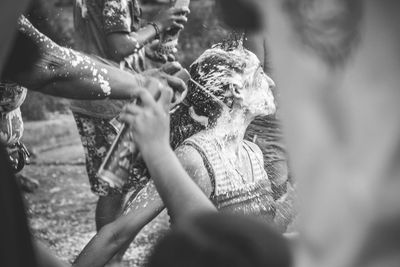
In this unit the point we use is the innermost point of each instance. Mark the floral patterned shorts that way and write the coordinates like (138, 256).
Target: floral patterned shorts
(97, 135)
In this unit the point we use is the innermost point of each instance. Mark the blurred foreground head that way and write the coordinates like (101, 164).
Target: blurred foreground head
(336, 66)
(217, 240)
(10, 10)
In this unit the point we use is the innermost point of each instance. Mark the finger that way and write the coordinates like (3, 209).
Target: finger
(163, 58)
(179, 26)
(171, 67)
(154, 44)
(176, 83)
(166, 98)
(180, 19)
(128, 119)
(132, 109)
(152, 85)
(146, 98)
(171, 58)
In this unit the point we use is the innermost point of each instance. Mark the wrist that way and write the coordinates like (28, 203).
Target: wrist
(158, 28)
(155, 151)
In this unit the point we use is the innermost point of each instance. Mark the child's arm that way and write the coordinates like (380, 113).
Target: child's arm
(179, 191)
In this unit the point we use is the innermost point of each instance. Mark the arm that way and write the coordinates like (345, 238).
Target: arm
(66, 73)
(175, 183)
(178, 191)
(182, 181)
(112, 237)
(123, 43)
(63, 72)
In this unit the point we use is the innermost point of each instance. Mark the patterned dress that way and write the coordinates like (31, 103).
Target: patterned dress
(94, 20)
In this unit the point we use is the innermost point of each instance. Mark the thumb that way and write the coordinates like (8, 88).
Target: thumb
(166, 98)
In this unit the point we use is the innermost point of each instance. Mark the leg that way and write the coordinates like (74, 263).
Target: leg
(108, 209)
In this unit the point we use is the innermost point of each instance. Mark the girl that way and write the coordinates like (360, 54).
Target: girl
(228, 90)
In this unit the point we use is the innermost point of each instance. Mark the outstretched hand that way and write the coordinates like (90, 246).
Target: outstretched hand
(166, 74)
(148, 117)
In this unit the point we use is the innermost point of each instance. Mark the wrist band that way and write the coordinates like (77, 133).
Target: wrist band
(157, 29)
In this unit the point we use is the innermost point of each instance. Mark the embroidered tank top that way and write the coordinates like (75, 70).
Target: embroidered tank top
(231, 192)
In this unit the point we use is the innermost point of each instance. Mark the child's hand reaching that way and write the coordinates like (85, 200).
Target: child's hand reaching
(149, 118)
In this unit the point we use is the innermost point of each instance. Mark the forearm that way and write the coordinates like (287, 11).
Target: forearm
(112, 237)
(66, 73)
(122, 45)
(146, 34)
(99, 82)
(182, 196)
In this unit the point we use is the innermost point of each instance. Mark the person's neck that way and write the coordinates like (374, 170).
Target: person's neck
(230, 129)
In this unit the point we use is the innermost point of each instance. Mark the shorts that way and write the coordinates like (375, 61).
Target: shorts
(97, 136)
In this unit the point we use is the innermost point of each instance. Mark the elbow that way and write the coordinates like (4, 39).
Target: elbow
(120, 46)
(118, 54)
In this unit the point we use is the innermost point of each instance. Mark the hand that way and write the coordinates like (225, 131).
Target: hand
(172, 18)
(165, 73)
(148, 119)
(153, 54)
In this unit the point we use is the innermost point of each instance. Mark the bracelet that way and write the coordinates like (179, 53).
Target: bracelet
(157, 29)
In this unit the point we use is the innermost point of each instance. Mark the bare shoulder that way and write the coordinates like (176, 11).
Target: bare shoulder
(193, 163)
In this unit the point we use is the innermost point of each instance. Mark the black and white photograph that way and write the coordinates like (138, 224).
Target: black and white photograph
(199, 133)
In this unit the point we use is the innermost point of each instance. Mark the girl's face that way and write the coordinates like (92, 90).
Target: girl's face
(257, 95)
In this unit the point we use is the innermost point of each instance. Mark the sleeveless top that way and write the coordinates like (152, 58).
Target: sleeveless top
(231, 192)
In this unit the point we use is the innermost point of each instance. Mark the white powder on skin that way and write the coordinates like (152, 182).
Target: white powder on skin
(70, 58)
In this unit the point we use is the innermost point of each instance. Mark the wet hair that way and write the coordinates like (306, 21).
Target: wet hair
(213, 74)
(221, 240)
